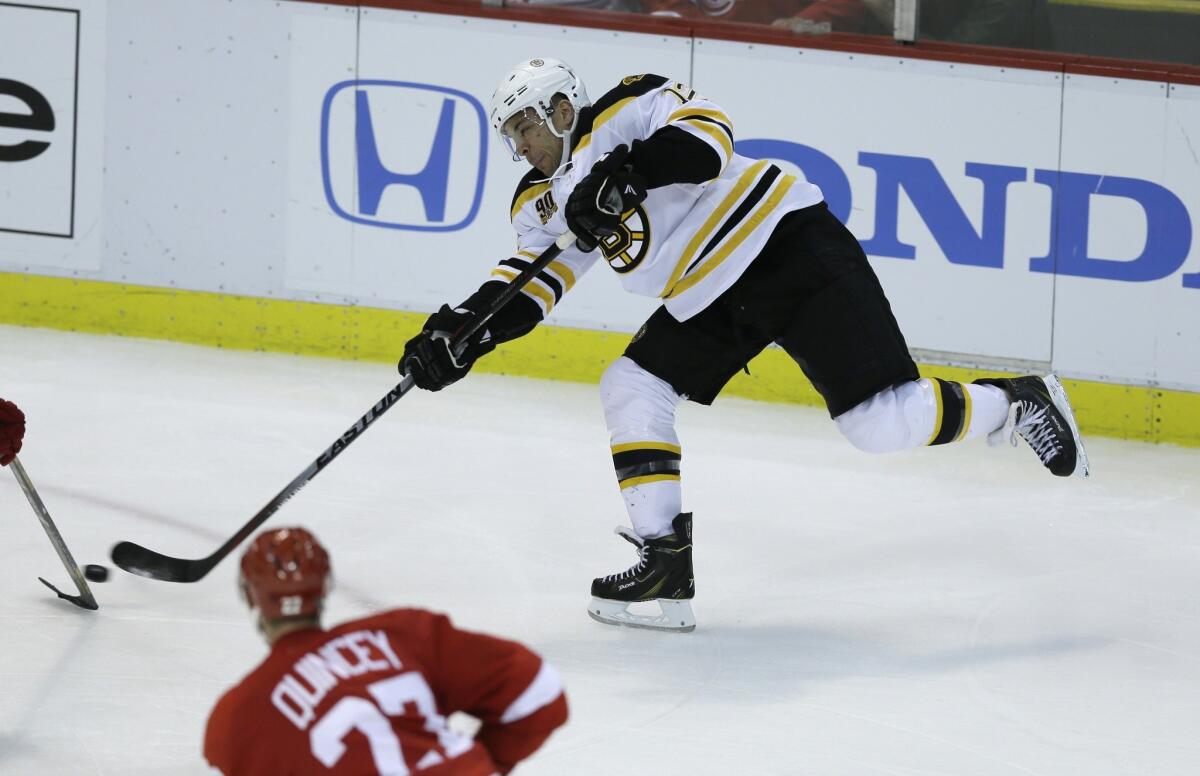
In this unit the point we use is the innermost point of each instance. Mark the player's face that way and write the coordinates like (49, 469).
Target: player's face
(533, 140)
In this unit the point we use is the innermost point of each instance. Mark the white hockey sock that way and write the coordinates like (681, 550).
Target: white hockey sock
(928, 411)
(639, 409)
(989, 409)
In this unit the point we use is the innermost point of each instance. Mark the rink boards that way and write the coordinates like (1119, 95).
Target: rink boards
(307, 177)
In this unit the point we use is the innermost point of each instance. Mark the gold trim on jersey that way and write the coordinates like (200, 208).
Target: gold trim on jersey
(664, 446)
(546, 297)
(531, 193)
(635, 481)
(599, 121)
(715, 133)
(716, 115)
(710, 225)
(565, 274)
(744, 231)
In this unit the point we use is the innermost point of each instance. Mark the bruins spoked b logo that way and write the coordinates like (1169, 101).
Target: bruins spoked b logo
(625, 248)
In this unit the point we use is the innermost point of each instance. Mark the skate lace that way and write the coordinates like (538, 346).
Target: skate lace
(1031, 423)
(643, 555)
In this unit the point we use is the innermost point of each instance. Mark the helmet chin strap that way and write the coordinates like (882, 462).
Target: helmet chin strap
(563, 163)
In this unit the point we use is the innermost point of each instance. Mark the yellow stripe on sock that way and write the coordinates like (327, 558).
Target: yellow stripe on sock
(667, 446)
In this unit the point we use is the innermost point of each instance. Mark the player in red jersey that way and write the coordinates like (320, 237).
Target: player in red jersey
(12, 431)
(371, 696)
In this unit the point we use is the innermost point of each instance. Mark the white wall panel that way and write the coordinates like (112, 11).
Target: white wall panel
(1122, 312)
(197, 144)
(323, 49)
(1177, 335)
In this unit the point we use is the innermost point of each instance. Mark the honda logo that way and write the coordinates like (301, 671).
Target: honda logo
(402, 155)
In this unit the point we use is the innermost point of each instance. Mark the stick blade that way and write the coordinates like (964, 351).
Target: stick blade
(83, 602)
(144, 562)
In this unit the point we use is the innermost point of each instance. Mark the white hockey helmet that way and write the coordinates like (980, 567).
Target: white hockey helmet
(532, 84)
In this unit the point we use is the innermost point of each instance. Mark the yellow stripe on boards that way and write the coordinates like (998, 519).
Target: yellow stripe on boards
(716, 133)
(526, 196)
(665, 446)
(739, 236)
(937, 397)
(206, 318)
(966, 423)
(710, 225)
(599, 121)
(376, 335)
(633, 482)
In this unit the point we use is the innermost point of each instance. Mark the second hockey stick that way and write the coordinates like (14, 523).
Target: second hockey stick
(85, 599)
(137, 559)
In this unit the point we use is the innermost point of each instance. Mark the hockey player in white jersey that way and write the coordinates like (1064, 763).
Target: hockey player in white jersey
(742, 255)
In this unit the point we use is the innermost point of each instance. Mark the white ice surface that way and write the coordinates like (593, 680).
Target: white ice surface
(949, 611)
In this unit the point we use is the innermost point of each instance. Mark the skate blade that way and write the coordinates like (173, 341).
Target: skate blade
(676, 616)
(1059, 395)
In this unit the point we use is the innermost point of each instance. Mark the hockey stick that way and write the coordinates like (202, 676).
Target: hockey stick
(85, 599)
(147, 563)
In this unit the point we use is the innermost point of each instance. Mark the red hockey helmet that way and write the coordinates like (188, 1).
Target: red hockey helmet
(285, 573)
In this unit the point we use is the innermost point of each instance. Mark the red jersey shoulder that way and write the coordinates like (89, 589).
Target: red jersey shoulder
(404, 620)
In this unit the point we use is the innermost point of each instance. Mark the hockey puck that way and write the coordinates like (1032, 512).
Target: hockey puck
(95, 572)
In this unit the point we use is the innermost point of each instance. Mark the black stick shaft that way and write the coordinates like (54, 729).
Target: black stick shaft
(512, 289)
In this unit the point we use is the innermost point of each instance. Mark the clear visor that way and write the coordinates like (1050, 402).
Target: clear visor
(516, 127)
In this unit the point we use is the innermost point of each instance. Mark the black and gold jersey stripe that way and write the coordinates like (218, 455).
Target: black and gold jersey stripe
(547, 286)
(532, 186)
(713, 123)
(758, 192)
(610, 104)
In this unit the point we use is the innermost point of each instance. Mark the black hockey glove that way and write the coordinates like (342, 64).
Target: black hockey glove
(596, 206)
(428, 357)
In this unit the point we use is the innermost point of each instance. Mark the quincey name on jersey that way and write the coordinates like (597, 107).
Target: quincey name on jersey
(687, 242)
(373, 696)
(301, 690)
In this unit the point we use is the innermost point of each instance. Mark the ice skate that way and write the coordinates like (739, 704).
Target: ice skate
(1042, 416)
(662, 575)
